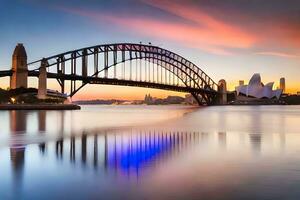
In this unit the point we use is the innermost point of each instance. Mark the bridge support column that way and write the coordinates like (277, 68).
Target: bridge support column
(19, 68)
(222, 89)
(42, 90)
(84, 63)
(62, 86)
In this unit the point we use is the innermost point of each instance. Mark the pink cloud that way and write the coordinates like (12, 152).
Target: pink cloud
(209, 35)
(202, 30)
(278, 54)
(223, 33)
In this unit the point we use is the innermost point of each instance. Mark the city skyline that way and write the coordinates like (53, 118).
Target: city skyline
(228, 41)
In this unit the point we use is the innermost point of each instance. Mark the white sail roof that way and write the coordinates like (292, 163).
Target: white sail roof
(257, 89)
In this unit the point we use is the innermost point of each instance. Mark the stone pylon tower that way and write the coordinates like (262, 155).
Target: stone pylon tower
(222, 89)
(19, 67)
(42, 91)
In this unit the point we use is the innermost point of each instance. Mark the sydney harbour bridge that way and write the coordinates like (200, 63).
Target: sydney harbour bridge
(124, 64)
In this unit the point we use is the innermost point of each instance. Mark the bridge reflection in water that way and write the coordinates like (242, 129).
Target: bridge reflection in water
(124, 151)
(127, 151)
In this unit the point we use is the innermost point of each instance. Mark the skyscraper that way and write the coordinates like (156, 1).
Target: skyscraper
(282, 84)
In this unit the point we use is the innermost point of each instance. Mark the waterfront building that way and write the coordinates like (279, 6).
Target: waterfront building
(189, 99)
(148, 99)
(241, 82)
(282, 84)
(256, 89)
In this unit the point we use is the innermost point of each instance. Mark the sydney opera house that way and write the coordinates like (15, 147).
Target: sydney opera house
(256, 89)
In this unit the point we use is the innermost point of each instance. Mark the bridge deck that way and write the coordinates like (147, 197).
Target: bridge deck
(5, 73)
(113, 81)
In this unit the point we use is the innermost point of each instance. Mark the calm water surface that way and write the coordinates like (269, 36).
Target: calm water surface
(151, 152)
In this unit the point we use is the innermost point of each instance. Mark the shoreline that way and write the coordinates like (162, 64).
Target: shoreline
(39, 107)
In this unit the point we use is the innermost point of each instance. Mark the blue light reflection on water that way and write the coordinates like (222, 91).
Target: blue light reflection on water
(135, 151)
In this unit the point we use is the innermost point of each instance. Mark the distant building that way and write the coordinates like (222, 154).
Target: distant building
(148, 99)
(282, 84)
(298, 93)
(256, 89)
(189, 99)
(241, 82)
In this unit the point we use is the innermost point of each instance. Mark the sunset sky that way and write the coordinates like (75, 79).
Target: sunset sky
(230, 39)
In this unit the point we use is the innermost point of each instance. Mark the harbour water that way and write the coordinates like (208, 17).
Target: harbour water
(151, 152)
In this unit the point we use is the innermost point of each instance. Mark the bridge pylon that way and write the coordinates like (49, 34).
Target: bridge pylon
(222, 88)
(19, 68)
(42, 90)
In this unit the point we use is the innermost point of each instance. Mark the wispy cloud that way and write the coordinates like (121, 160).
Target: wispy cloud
(216, 31)
(278, 54)
(192, 26)
(208, 34)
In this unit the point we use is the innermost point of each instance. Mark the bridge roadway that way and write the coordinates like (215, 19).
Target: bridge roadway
(114, 81)
(6, 73)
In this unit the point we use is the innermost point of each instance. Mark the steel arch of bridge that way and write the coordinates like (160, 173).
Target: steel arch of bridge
(187, 77)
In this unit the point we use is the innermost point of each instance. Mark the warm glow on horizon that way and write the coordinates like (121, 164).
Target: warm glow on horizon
(121, 93)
